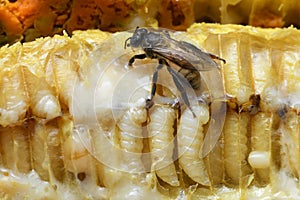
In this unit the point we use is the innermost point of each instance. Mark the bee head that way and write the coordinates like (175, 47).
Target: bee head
(137, 38)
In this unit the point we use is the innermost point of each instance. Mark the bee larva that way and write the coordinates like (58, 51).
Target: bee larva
(160, 130)
(108, 163)
(290, 140)
(15, 149)
(47, 151)
(40, 95)
(75, 152)
(13, 96)
(131, 139)
(215, 164)
(237, 81)
(235, 147)
(79, 160)
(260, 155)
(190, 139)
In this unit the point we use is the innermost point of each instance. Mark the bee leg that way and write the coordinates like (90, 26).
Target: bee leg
(149, 102)
(217, 57)
(177, 80)
(139, 56)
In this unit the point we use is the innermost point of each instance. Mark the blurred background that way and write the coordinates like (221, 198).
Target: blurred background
(25, 20)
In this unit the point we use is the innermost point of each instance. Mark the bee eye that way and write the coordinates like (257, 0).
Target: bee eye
(126, 43)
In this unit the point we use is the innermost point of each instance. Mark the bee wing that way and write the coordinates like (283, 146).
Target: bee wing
(186, 55)
(218, 110)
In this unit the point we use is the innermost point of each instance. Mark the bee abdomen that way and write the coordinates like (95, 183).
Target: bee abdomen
(192, 76)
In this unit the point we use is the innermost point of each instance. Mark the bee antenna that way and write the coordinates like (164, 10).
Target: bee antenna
(126, 45)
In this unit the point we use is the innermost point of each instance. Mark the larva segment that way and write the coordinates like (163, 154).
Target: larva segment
(42, 93)
(7, 149)
(131, 138)
(78, 159)
(290, 142)
(54, 151)
(13, 98)
(22, 152)
(161, 143)
(215, 163)
(47, 152)
(236, 149)
(264, 64)
(39, 151)
(230, 51)
(260, 155)
(261, 64)
(190, 139)
(65, 69)
(75, 152)
(244, 68)
(15, 148)
(290, 84)
(107, 164)
(38, 58)
(43, 100)
(238, 83)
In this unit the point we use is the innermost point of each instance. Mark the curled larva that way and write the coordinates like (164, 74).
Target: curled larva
(190, 140)
(161, 141)
(108, 164)
(131, 138)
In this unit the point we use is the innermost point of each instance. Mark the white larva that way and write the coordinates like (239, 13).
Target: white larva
(108, 163)
(131, 138)
(260, 157)
(235, 147)
(80, 161)
(160, 130)
(190, 139)
(77, 157)
(290, 156)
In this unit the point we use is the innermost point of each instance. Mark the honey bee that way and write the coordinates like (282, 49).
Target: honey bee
(159, 45)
